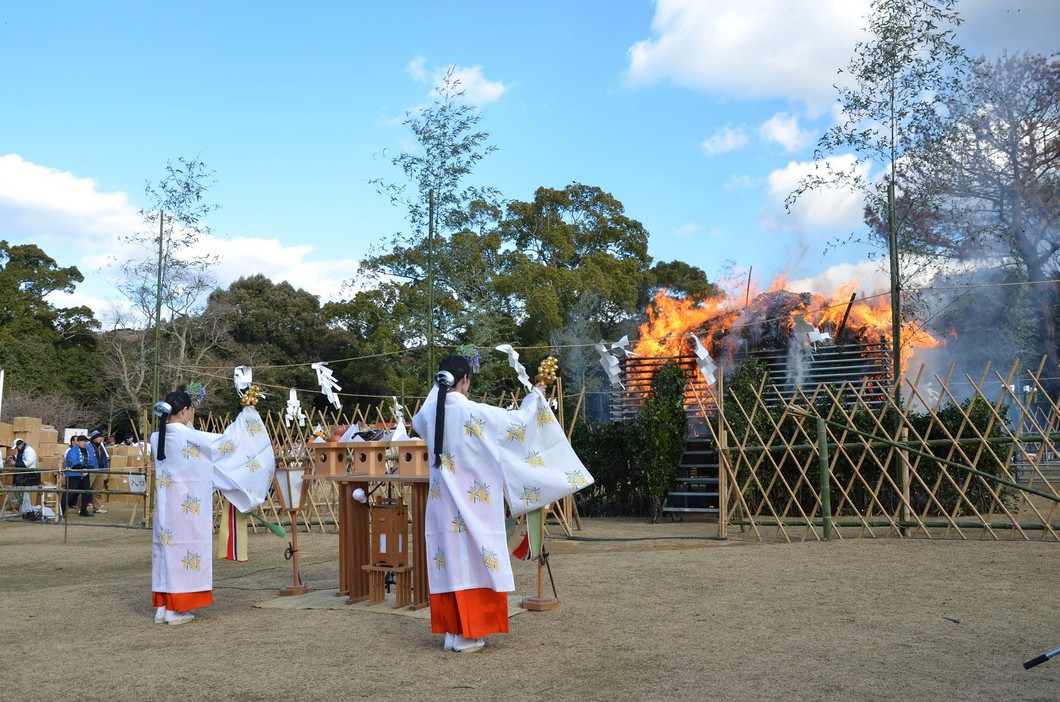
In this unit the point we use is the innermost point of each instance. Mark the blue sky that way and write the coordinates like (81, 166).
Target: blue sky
(698, 115)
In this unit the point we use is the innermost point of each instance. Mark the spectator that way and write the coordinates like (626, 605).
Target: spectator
(24, 462)
(75, 463)
(97, 460)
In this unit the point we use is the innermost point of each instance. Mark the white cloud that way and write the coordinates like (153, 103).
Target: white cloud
(416, 69)
(478, 91)
(751, 48)
(686, 229)
(724, 140)
(991, 26)
(767, 49)
(75, 223)
(246, 256)
(59, 211)
(783, 129)
(738, 182)
(827, 208)
(476, 88)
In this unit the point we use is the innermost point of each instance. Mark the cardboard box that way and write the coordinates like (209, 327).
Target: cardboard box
(46, 449)
(27, 424)
(121, 482)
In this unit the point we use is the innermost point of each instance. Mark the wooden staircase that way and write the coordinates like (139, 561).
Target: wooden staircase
(696, 487)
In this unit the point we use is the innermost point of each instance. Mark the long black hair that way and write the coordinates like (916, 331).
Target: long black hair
(451, 371)
(174, 402)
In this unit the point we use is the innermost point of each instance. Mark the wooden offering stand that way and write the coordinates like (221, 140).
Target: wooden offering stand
(364, 464)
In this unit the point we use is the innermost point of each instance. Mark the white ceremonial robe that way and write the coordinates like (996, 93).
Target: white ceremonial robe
(489, 454)
(240, 463)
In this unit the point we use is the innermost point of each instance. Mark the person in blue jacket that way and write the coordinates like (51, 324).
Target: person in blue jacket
(97, 460)
(75, 463)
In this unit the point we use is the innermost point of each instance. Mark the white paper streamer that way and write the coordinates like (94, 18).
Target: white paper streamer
(294, 410)
(807, 333)
(328, 386)
(242, 377)
(704, 361)
(513, 361)
(610, 364)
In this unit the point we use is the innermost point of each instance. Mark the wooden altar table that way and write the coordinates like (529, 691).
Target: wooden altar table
(354, 544)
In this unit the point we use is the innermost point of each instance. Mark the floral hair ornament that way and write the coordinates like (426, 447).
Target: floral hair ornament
(472, 355)
(197, 392)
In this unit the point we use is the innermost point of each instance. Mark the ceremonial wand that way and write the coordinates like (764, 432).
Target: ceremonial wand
(1040, 659)
(546, 373)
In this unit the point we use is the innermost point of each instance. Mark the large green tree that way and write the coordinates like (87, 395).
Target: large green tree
(278, 330)
(44, 348)
(566, 244)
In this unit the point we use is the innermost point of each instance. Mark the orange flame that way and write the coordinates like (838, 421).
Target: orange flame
(670, 320)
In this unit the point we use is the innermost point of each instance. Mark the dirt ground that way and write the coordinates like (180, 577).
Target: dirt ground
(646, 612)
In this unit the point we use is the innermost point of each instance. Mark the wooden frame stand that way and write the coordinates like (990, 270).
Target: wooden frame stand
(377, 584)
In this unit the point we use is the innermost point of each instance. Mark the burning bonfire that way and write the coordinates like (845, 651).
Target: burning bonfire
(730, 328)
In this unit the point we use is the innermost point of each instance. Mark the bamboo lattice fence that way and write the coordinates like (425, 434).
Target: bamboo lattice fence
(835, 463)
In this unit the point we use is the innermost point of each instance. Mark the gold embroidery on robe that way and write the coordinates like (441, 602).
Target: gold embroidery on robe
(191, 561)
(475, 427)
(489, 559)
(190, 505)
(531, 495)
(576, 479)
(479, 492)
(516, 432)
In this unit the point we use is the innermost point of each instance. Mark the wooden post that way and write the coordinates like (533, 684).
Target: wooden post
(723, 460)
(824, 478)
(297, 588)
(541, 603)
(903, 465)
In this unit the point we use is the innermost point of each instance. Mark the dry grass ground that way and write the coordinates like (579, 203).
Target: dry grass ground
(641, 618)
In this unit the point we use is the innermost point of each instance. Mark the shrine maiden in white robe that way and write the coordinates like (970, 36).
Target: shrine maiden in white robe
(240, 463)
(489, 454)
